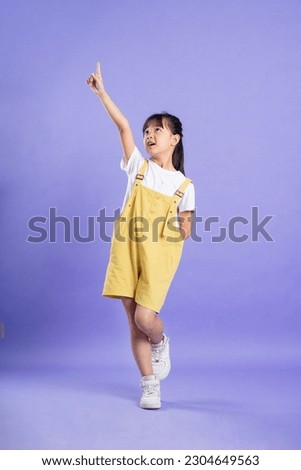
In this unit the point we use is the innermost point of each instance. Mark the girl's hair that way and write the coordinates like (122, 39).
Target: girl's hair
(175, 126)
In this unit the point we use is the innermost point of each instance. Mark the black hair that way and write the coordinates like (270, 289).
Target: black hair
(175, 126)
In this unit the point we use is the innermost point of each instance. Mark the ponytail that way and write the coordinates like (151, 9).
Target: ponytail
(178, 157)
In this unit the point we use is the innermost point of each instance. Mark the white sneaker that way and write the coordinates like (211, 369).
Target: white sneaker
(160, 358)
(151, 392)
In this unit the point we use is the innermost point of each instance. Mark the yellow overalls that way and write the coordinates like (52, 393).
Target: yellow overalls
(146, 247)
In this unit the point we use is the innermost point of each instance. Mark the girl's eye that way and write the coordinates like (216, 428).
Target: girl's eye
(158, 128)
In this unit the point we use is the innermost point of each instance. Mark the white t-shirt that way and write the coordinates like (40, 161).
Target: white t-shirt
(159, 179)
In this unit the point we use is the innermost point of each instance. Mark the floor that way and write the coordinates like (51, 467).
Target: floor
(96, 406)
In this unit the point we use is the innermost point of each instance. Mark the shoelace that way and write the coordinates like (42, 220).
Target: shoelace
(156, 355)
(157, 351)
(150, 389)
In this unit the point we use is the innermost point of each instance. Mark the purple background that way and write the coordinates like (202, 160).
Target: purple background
(231, 71)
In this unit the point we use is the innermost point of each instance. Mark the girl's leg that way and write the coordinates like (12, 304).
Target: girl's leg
(141, 347)
(150, 323)
(144, 325)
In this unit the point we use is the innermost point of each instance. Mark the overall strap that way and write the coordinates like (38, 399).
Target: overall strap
(180, 191)
(142, 169)
(174, 205)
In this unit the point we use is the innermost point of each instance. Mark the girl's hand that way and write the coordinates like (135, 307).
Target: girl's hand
(95, 81)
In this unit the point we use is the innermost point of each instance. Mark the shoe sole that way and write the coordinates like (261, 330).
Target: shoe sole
(164, 373)
(150, 407)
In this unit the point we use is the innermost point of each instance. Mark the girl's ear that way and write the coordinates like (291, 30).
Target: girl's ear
(175, 139)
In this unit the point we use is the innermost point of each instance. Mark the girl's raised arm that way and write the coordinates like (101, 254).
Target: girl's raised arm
(95, 82)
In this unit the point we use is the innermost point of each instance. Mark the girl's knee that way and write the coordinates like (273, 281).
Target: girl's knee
(145, 319)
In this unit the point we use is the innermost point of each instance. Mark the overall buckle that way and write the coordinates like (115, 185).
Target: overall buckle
(179, 193)
(139, 176)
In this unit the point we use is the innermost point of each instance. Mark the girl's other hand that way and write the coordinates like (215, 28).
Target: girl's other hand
(95, 81)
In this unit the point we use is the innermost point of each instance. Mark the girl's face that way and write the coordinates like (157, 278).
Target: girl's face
(159, 140)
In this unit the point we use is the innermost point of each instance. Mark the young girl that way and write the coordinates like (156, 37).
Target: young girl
(148, 236)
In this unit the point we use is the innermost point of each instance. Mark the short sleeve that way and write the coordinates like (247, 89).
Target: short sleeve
(187, 203)
(133, 164)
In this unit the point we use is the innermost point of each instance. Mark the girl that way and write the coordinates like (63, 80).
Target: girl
(148, 235)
